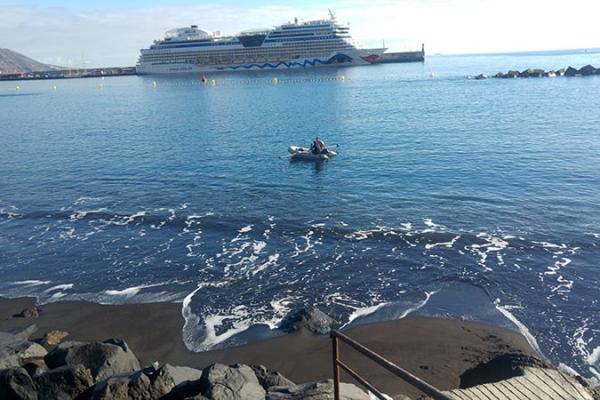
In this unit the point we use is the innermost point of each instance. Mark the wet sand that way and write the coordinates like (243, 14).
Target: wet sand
(436, 350)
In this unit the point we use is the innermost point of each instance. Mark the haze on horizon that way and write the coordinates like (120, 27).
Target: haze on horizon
(111, 32)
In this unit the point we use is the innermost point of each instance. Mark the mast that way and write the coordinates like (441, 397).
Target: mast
(331, 14)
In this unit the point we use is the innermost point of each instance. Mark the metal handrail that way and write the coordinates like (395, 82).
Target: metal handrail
(396, 370)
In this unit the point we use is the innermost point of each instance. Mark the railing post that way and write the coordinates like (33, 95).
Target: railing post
(336, 367)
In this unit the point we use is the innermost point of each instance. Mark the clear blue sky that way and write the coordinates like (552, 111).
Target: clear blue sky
(111, 32)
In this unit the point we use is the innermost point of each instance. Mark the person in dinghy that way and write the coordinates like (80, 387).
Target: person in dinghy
(318, 146)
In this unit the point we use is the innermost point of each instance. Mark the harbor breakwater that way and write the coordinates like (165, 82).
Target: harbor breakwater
(588, 70)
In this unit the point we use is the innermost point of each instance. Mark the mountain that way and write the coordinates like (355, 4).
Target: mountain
(12, 62)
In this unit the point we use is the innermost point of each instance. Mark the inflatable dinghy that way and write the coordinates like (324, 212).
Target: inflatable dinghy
(301, 153)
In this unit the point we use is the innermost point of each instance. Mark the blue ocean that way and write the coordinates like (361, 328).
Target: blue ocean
(449, 197)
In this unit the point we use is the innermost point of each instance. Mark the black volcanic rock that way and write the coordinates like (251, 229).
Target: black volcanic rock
(571, 71)
(30, 313)
(64, 383)
(102, 359)
(235, 382)
(141, 385)
(14, 351)
(310, 318)
(16, 384)
(504, 366)
(587, 70)
(268, 378)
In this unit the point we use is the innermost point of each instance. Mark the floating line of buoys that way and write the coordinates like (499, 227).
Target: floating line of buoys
(246, 82)
(214, 82)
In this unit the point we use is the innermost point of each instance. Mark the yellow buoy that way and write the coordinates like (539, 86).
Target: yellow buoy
(275, 81)
(154, 84)
(213, 82)
(18, 88)
(54, 87)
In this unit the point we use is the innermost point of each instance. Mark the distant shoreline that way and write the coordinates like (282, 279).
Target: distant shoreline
(435, 349)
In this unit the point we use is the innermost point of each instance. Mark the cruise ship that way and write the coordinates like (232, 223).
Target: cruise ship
(296, 44)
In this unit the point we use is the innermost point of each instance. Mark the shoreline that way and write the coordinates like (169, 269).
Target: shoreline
(435, 349)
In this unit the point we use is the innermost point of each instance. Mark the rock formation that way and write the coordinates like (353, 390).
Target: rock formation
(588, 70)
(110, 370)
(310, 318)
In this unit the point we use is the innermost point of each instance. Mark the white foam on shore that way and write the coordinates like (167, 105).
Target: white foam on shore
(568, 370)
(594, 356)
(191, 321)
(211, 322)
(131, 291)
(521, 326)
(65, 286)
(362, 312)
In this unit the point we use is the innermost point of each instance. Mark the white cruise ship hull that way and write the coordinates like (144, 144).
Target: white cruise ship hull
(338, 59)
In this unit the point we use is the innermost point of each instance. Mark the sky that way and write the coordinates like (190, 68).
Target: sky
(96, 33)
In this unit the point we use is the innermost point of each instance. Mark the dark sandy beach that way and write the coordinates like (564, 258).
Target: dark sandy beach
(437, 350)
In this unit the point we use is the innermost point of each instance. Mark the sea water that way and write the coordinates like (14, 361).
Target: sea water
(450, 197)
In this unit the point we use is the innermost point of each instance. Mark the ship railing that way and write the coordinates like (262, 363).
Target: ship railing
(339, 365)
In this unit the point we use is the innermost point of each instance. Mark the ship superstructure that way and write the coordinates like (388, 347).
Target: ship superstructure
(293, 45)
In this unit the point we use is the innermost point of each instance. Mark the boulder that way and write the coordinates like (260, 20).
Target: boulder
(64, 383)
(29, 312)
(35, 366)
(102, 359)
(501, 75)
(481, 77)
(524, 74)
(560, 72)
(571, 72)
(118, 342)
(513, 74)
(14, 351)
(54, 338)
(268, 378)
(535, 72)
(501, 367)
(317, 391)
(145, 384)
(16, 384)
(236, 382)
(587, 70)
(310, 318)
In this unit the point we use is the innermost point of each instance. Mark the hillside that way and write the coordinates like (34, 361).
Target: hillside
(12, 62)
